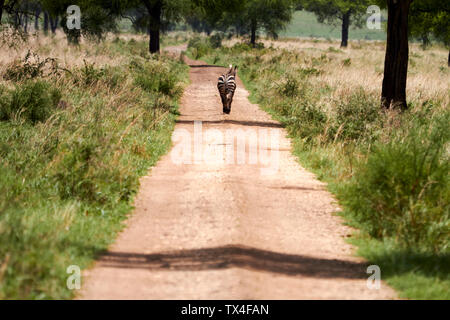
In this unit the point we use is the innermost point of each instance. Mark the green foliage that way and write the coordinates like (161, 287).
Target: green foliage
(97, 17)
(67, 182)
(271, 16)
(88, 74)
(304, 24)
(199, 47)
(403, 190)
(30, 67)
(332, 11)
(216, 40)
(32, 101)
(358, 118)
(430, 18)
(155, 77)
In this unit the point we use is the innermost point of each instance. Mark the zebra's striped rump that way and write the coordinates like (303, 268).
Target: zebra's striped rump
(227, 85)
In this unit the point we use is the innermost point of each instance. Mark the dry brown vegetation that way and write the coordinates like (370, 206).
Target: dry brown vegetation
(362, 64)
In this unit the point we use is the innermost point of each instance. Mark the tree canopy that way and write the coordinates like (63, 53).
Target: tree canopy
(335, 12)
(430, 19)
(270, 16)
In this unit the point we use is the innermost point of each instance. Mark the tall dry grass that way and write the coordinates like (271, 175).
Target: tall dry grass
(428, 74)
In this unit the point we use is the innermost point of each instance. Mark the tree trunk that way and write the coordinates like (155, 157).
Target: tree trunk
(37, 14)
(425, 41)
(345, 26)
(155, 10)
(397, 55)
(45, 22)
(54, 23)
(253, 34)
(2, 4)
(16, 20)
(25, 26)
(448, 58)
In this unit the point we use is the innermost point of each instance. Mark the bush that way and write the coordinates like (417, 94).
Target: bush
(30, 67)
(199, 47)
(216, 40)
(72, 179)
(88, 74)
(290, 87)
(403, 189)
(31, 101)
(356, 119)
(66, 185)
(308, 120)
(153, 77)
(4, 103)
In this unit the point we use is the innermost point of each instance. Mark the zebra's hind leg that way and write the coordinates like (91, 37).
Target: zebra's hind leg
(226, 110)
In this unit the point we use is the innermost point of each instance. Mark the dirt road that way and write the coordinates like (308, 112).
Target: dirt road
(230, 230)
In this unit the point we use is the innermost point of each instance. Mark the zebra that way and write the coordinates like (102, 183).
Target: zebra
(227, 86)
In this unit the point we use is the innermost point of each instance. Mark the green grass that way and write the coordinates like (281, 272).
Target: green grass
(68, 176)
(305, 24)
(389, 171)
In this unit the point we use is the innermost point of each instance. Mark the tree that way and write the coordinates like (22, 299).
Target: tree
(2, 4)
(397, 47)
(441, 30)
(98, 17)
(393, 92)
(343, 12)
(217, 14)
(199, 21)
(268, 15)
(158, 14)
(431, 19)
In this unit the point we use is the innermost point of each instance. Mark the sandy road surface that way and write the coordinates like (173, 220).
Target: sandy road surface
(212, 230)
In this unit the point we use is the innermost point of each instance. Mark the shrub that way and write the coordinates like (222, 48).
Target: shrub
(153, 77)
(88, 74)
(290, 87)
(308, 120)
(199, 47)
(358, 118)
(4, 103)
(216, 40)
(31, 101)
(403, 189)
(72, 179)
(30, 67)
(347, 62)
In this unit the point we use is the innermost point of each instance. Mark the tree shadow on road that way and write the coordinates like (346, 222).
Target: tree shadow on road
(204, 66)
(237, 256)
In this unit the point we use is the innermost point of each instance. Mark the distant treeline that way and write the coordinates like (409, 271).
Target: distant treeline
(425, 19)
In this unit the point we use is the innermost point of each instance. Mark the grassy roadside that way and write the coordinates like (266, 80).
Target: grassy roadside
(76, 134)
(389, 171)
